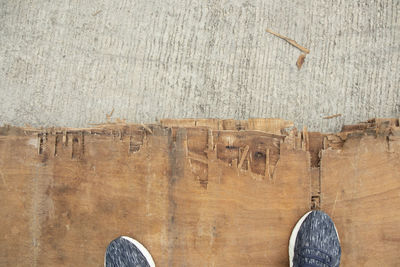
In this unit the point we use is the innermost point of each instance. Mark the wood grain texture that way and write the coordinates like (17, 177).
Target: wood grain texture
(70, 63)
(360, 186)
(179, 189)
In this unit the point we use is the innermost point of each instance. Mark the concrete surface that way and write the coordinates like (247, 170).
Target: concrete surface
(69, 63)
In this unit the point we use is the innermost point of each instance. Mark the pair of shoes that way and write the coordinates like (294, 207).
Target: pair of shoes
(314, 243)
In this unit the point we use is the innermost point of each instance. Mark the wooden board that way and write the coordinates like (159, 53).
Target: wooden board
(194, 192)
(360, 186)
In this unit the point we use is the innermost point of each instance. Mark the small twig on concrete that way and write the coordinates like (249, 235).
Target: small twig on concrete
(96, 13)
(300, 61)
(290, 41)
(332, 116)
(108, 116)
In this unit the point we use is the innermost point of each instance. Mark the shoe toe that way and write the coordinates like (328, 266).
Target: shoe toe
(317, 241)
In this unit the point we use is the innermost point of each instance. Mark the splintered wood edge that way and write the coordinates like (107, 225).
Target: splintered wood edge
(279, 129)
(283, 131)
(271, 126)
(266, 125)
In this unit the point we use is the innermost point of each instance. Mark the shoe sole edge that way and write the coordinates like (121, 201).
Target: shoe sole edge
(142, 249)
(292, 240)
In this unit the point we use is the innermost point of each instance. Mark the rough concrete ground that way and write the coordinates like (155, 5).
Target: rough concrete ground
(69, 63)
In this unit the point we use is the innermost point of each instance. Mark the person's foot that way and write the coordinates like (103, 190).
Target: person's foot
(314, 242)
(125, 251)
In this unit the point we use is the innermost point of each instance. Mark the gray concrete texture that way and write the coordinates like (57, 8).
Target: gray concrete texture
(69, 63)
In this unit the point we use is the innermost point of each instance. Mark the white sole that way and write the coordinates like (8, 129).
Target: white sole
(141, 248)
(292, 240)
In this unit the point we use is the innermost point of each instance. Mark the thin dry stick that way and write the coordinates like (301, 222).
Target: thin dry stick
(147, 128)
(306, 139)
(96, 13)
(290, 41)
(300, 61)
(249, 163)
(267, 171)
(332, 116)
(243, 157)
(108, 116)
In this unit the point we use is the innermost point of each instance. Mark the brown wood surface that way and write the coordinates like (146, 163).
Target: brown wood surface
(360, 186)
(196, 192)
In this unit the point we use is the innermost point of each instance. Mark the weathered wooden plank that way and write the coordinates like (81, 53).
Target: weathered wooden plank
(224, 195)
(361, 191)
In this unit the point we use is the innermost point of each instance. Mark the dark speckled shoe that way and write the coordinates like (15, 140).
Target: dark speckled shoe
(314, 242)
(125, 251)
